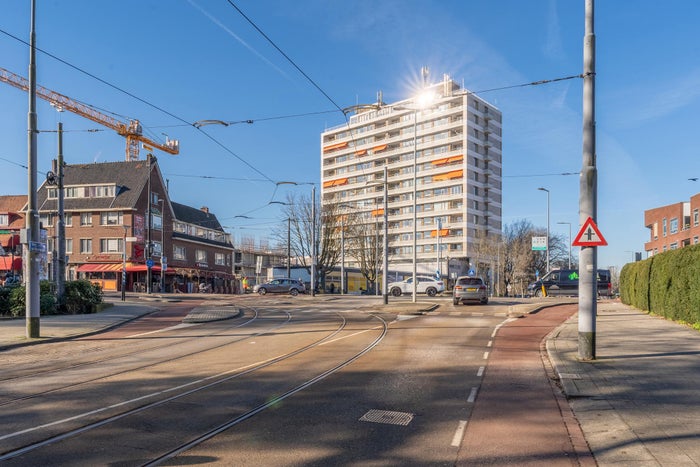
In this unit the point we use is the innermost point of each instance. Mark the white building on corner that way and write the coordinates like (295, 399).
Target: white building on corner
(458, 175)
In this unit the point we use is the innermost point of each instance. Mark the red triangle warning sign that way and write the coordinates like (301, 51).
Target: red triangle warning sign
(589, 235)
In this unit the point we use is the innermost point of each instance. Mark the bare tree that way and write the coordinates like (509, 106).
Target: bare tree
(298, 209)
(365, 240)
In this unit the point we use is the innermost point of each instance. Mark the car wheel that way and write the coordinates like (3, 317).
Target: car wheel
(431, 291)
(396, 292)
(485, 301)
(262, 290)
(294, 292)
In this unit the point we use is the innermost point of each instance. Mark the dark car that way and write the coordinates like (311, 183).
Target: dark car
(281, 285)
(564, 282)
(469, 288)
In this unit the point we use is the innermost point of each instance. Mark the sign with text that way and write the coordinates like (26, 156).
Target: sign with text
(539, 243)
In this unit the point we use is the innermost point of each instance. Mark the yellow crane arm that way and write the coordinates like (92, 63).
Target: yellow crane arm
(133, 132)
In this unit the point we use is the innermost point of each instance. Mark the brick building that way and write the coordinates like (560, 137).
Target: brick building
(11, 222)
(673, 226)
(107, 207)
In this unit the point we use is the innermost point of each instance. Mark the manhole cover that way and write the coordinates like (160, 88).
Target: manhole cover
(388, 417)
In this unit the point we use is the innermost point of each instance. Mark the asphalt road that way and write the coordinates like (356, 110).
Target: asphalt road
(289, 382)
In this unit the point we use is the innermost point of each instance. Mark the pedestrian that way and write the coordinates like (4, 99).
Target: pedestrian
(332, 287)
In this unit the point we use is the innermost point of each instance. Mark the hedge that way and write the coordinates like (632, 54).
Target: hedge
(80, 297)
(667, 284)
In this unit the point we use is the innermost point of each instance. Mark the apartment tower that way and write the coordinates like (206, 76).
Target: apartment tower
(456, 139)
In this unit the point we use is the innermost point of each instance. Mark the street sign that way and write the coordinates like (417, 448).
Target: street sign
(539, 243)
(589, 235)
(149, 263)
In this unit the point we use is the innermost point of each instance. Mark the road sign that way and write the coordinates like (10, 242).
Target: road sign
(589, 235)
(149, 263)
(539, 243)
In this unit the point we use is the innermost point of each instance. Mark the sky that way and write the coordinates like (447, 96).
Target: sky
(290, 66)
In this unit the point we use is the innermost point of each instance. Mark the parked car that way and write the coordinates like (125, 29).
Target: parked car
(564, 282)
(426, 285)
(470, 288)
(281, 285)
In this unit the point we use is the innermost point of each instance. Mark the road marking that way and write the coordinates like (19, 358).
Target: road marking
(486, 355)
(490, 344)
(459, 433)
(481, 371)
(472, 395)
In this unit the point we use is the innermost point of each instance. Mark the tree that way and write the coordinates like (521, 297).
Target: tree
(365, 240)
(303, 218)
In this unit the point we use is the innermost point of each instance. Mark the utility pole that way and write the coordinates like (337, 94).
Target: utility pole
(60, 270)
(385, 259)
(31, 240)
(289, 247)
(149, 225)
(313, 240)
(588, 256)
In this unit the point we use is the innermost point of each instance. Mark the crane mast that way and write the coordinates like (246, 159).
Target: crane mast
(132, 131)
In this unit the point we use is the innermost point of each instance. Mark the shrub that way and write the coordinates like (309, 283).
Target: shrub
(82, 297)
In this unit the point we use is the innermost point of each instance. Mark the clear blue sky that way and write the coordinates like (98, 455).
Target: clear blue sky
(200, 59)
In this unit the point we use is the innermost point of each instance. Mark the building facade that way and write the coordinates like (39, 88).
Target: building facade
(673, 226)
(11, 222)
(456, 175)
(119, 214)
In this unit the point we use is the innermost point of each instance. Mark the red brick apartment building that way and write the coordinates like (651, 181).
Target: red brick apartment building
(106, 211)
(673, 226)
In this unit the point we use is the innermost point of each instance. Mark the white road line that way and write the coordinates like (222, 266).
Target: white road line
(472, 395)
(459, 433)
(486, 355)
(480, 373)
(490, 344)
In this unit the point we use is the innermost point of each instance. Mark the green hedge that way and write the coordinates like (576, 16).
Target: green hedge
(80, 297)
(667, 284)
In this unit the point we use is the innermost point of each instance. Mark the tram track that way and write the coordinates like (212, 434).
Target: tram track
(146, 402)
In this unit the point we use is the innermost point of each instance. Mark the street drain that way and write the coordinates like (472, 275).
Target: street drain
(388, 417)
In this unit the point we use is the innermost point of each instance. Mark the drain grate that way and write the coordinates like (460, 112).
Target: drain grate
(388, 417)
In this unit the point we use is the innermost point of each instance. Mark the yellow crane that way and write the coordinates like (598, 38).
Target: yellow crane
(132, 131)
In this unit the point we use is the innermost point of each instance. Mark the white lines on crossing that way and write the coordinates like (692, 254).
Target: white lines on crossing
(486, 355)
(472, 395)
(480, 373)
(490, 344)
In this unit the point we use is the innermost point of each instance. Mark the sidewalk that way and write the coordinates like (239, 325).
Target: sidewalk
(638, 403)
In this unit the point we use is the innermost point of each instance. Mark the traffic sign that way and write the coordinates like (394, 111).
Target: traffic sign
(589, 235)
(149, 263)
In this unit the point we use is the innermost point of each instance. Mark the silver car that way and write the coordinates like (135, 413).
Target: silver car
(281, 285)
(469, 288)
(427, 285)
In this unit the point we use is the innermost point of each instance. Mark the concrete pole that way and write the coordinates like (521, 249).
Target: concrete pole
(149, 226)
(31, 243)
(289, 247)
(415, 205)
(588, 256)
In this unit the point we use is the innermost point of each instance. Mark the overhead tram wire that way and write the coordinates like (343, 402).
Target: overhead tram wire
(143, 101)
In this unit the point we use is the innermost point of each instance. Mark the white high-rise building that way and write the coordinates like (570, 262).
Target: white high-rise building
(456, 137)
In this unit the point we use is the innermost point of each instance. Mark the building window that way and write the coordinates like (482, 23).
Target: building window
(4, 219)
(85, 245)
(674, 225)
(201, 256)
(111, 218)
(111, 245)
(696, 217)
(69, 245)
(220, 259)
(85, 218)
(179, 252)
(46, 220)
(68, 219)
(695, 240)
(157, 222)
(674, 245)
(664, 227)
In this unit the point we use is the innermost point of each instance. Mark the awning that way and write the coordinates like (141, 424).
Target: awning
(381, 147)
(361, 152)
(335, 146)
(448, 176)
(332, 183)
(100, 267)
(378, 212)
(133, 267)
(443, 233)
(7, 264)
(9, 240)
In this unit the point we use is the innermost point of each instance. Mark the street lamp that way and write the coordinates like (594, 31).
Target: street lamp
(544, 189)
(569, 223)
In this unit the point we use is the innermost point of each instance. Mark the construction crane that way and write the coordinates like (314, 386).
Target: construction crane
(132, 131)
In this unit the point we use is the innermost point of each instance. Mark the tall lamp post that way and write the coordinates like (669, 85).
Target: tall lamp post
(546, 190)
(569, 224)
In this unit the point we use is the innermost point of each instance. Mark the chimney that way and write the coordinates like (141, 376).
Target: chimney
(204, 209)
